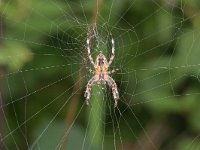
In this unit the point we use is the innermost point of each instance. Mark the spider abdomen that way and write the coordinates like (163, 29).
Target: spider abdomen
(101, 75)
(101, 78)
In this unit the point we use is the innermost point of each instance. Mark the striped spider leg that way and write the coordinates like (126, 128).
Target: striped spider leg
(113, 50)
(101, 74)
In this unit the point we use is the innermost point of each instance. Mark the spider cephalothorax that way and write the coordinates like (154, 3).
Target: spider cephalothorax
(101, 75)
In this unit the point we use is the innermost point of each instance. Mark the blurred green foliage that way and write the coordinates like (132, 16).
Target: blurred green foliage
(157, 53)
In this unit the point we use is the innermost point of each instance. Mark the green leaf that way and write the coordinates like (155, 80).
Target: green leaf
(14, 55)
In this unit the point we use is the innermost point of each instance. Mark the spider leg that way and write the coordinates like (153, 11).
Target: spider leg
(90, 83)
(113, 50)
(88, 49)
(113, 85)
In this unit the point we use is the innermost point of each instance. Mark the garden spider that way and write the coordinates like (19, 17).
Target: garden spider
(101, 74)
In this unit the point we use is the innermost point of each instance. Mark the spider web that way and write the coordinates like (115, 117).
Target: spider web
(45, 68)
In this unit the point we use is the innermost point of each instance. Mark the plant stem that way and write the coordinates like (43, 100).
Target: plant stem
(96, 117)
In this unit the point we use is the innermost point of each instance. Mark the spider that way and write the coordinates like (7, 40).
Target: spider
(101, 73)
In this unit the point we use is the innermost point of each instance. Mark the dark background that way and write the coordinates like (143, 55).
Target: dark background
(44, 70)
